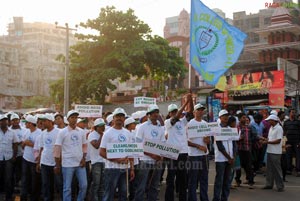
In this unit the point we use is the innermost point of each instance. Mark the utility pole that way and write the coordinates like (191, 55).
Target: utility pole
(66, 85)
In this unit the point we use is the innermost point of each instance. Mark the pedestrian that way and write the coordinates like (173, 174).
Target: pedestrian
(153, 130)
(197, 156)
(224, 159)
(116, 168)
(30, 178)
(274, 151)
(70, 153)
(46, 161)
(94, 141)
(8, 153)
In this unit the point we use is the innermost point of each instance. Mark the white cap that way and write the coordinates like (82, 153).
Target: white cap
(238, 112)
(71, 112)
(109, 118)
(274, 112)
(39, 116)
(99, 122)
(135, 115)
(31, 119)
(49, 117)
(119, 110)
(223, 112)
(14, 116)
(66, 120)
(152, 108)
(199, 105)
(172, 107)
(80, 120)
(142, 114)
(128, 121)
(3, 116)
(272, 117)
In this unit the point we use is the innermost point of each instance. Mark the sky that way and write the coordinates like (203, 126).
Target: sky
(152, 12)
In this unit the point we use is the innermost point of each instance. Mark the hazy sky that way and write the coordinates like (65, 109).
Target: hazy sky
(152, 12)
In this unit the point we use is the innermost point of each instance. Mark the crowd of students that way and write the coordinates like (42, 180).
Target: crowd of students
(55, 157)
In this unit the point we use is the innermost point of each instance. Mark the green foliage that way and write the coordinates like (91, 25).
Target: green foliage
(122, 48)
(37, 101)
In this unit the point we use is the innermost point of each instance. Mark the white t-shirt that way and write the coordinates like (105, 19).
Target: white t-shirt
(219, 157)
(71, 141)
(177, 134)
(47, 142)
(193, 151)
(94, 153)
(6, 144)
(275, 133)
(115, 136)
(88, 155)
(20, 132)
(28, 154)
(149, 131)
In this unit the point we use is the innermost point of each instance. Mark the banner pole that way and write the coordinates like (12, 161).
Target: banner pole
(190, 75)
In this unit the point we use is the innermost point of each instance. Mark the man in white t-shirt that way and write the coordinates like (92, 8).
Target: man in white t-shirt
(116, 168)
(94, 141)
(152, 130)
(176, 135)
(46, 160)
(8, 153)
(224, 158)
(198, 161)
(274, 151)
(29, 162)
(71, 147)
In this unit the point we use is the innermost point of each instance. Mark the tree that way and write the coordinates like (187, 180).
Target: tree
(123, 48)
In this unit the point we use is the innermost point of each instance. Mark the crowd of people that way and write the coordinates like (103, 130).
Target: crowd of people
(51, 156)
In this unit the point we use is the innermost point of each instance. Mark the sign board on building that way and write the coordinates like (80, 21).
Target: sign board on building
(144, 101)
(89, 110)
(161, 149)
(122, 150)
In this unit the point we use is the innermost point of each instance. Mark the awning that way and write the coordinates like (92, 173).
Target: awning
(246, 102)
(206, 90)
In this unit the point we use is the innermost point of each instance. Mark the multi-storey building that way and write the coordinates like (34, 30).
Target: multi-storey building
(28, 60)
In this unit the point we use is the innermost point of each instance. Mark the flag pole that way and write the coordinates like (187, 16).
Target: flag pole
(190, 75)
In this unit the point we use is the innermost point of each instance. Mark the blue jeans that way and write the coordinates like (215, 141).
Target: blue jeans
(198, 171)
(115, 178)
(6, 175)
(97, 186)
(222, 181)
(142, 178)
(68, 173)
(49, 179)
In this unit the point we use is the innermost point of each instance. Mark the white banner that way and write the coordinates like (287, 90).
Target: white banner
(161, 149)
(89, 110)
(144, 101)
(199, 131)
(122, 150)
(227, 134)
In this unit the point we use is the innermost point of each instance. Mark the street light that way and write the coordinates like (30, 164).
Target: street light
(66, 85)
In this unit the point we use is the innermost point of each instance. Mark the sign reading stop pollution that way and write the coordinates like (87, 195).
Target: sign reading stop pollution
(122, 150)
(161, 149)
(227, 134)
(144, 101)
(89, 110)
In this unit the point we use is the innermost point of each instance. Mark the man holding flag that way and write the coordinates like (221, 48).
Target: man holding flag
(215, 45)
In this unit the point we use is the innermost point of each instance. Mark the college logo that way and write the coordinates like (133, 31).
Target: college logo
(178, 127)
(74, 137)
(154, 133)
(122, 138)
(48, 141)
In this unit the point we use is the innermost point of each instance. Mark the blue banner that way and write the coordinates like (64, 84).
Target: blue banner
(215, 45)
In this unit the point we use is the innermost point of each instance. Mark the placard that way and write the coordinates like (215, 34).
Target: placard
(89, 110)
(123, 150)
(196, 131)
(144, 101)
(161, 149)
(227, 134)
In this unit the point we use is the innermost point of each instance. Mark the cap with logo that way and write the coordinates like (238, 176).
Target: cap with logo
(3, 116)
(172, 107)
(119, 111)
(49, 117)
(128, 121)
(31, 119)
(14, 116)
(152, 108)
(223, 112)
(99, 122)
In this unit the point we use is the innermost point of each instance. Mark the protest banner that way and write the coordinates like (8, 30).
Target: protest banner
(144, 101)
(89, 110)
(161, 149)
(122, 150)
(195, 131)
(227, 134)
